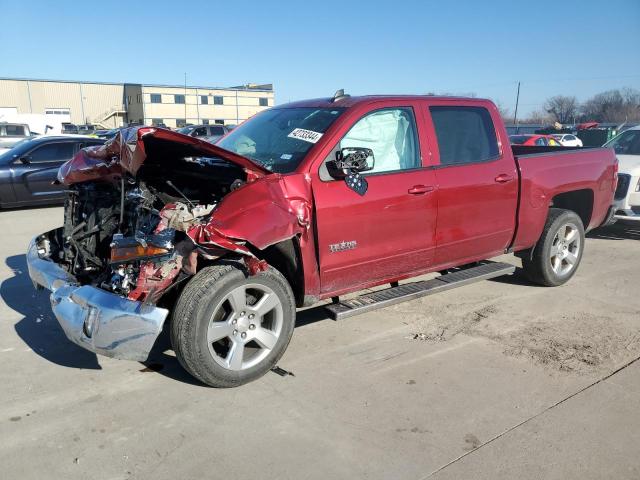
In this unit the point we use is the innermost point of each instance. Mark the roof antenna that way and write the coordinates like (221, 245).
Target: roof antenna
(340, 95)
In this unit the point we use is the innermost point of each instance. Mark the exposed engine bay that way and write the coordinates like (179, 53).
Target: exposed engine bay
(129, 234)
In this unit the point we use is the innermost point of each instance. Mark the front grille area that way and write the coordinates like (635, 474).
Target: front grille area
(623, 186)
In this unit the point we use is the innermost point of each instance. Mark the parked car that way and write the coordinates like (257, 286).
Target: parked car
(567, 139)
(69, 128)
(534, 140)
(12, 133)
(304, 202)
(106, 134)
(28, 170)
(210, 133)
(627, 196)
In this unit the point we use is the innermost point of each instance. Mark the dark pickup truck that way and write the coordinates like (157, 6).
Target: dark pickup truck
(304, 202)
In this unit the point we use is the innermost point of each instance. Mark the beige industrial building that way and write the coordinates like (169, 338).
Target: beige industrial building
(110, 105)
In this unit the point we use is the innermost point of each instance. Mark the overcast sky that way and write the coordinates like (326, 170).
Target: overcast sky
(310, 49)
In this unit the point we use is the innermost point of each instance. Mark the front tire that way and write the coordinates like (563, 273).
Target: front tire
(229, 328)
(556, 256)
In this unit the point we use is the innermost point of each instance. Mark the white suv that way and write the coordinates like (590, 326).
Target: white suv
(567, 140)
(627, 196)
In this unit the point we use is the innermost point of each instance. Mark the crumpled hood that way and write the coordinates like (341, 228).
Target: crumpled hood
(127, 152)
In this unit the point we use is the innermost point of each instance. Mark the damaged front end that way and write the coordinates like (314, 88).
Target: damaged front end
(138, 220)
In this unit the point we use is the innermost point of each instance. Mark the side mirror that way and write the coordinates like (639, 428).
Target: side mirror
(26, 159)
(351, 160)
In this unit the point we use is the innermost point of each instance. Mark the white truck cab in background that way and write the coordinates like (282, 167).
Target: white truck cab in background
(12, 133)
(627, 196)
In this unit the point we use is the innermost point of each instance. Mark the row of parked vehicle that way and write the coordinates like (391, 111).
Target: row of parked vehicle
(555, 140)
(29, 163)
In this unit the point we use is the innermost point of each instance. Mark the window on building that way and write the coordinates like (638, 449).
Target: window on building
(465, 134)
(218, 100)
(204, 99)
(156, 98)
(57, 111)
(181, 122)
(218, 122)
(157, 122)
(178, 98)
(205, 121)
(139, 98)
(264, 102)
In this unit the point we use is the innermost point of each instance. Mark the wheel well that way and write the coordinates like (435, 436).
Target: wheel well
(578, 201)
(285, 257)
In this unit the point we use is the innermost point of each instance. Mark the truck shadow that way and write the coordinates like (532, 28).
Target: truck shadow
(163, 361)
(617, 231)
(38, 328)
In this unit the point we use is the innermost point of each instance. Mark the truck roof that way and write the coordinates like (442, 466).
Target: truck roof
(349, 101)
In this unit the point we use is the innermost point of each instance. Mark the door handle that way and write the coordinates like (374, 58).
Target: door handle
(503, 178)
(420, 189)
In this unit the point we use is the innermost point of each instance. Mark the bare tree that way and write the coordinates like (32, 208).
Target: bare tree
(562, 109)
(613, 106)
(539, 117)
(505, 113)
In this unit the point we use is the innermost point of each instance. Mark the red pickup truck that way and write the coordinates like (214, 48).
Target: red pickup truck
(307, 201)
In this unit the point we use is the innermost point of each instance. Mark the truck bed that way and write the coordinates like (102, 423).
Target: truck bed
(547, 174)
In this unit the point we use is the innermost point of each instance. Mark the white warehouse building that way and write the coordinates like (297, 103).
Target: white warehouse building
(110, 105)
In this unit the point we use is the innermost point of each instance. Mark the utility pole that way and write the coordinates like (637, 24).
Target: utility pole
(515, 114)
(185, 97)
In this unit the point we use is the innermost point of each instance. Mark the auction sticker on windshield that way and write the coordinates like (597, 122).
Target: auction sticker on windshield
(306, 135)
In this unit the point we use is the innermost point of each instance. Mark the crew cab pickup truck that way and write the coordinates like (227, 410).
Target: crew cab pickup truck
(312, 200)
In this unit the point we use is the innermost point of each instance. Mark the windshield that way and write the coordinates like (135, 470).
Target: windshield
(627, 143)
(185, 130)
(16, 150)
(279, 138)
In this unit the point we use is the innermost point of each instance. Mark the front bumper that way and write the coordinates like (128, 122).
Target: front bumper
(626, 210)
(95, 319)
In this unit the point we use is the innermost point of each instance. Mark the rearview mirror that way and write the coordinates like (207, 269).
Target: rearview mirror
(351, 160)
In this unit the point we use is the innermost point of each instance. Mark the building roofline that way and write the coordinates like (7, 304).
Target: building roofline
(200, 87)
(241, 88)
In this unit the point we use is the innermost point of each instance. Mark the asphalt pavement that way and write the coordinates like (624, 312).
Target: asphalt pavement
(496, 380)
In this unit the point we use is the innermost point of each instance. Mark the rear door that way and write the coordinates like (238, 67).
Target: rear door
(33, 181)
(389, 230)
(477, 182)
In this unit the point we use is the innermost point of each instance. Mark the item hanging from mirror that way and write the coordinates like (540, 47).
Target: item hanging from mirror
(357, 183)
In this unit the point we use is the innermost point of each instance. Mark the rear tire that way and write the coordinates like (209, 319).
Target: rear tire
(229, 328)
(556, 256)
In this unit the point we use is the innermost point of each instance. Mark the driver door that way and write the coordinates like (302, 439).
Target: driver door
(389, 232)
(33, 177)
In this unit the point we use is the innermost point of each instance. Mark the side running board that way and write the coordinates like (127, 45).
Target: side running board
(409, 291)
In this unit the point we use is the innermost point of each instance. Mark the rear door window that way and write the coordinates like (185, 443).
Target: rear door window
(465, 134)
(52, 152)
